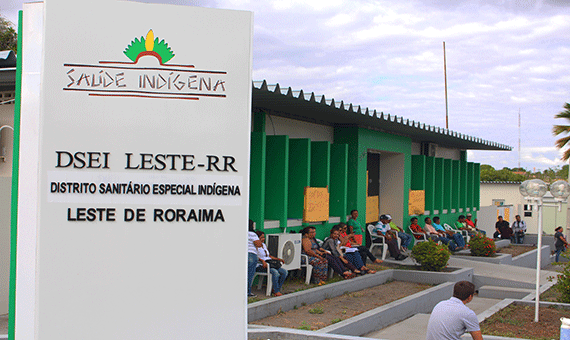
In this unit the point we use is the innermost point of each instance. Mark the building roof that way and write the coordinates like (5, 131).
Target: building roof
(309, 107)
(7, 59)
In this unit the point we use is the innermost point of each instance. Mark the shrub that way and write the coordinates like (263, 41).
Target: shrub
(563, 281)
(482, 246)
(430, 255)
(316, 310)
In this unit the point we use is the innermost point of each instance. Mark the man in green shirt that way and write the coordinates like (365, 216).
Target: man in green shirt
(460, 224)
(405, 238)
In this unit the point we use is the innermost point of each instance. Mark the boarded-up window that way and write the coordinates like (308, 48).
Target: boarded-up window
(316, 207)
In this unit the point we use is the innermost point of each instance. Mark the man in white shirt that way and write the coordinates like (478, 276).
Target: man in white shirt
(382, 228)
(450, 319)
(519, 229)
(253, 243)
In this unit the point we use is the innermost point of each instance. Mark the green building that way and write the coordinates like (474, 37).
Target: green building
(301, 140)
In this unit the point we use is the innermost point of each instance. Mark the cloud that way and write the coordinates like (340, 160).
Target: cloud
(502, 57)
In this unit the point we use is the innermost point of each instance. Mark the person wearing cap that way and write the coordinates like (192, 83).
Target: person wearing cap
(405, 238)
(469, 221)
(472, 225)
(382, 228)
(461, 224)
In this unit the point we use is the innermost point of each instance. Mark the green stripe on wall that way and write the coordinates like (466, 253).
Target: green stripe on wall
(15, 167)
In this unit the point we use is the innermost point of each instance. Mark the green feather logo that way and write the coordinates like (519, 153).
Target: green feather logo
(149, 46)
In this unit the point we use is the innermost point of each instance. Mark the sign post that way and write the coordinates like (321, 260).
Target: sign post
(134, 173)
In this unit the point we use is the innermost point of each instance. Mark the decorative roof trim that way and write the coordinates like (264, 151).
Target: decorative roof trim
(409, 126)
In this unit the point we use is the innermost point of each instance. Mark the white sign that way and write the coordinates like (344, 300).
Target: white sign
(134, 172)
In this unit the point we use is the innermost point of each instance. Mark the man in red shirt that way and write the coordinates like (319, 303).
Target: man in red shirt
(416, 228)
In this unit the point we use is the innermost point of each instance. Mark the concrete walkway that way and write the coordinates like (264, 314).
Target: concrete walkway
(500, 271)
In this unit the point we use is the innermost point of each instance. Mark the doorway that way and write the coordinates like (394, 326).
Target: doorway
(386, 181)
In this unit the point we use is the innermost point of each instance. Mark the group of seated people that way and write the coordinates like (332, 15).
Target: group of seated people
(344, 253)
(339, 251)
(451, 236)
(515, 233)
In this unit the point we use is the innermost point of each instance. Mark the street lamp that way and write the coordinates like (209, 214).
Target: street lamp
(534, 190)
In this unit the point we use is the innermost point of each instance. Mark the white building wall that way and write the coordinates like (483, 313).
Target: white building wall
(441, 152)
(509, 192)
(506, 191)
(279, 126)
(416, 149)
(448, 153)
(6, 144)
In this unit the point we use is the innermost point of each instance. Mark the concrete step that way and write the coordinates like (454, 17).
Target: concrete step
(495, 292)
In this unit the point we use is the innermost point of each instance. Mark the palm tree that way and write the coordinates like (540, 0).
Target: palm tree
(563, 129)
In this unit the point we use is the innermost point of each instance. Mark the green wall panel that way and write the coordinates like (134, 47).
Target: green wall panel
(338, 180)
(439, 189)
(356, 170)
(447, 184)
(418, 180)
(463, 188)
(257, 178)
(259, 121)
(455, 185)
(477, 180)
(320, 164)
(430, 183)
(470, 186)
(276, 178)
(299, 175)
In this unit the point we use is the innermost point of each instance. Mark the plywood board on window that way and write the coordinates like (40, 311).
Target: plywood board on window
(417, 202)
(316, 206)
(372, 210)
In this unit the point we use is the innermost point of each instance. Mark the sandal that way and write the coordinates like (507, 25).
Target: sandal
(348, 275)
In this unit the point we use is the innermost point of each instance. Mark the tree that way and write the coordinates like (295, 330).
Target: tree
(563, 129)
(8, 36)
(489, 174)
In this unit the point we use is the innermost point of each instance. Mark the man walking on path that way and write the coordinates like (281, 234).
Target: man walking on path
(450, 319)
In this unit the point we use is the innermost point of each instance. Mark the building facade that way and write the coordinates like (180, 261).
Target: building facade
(369, 161)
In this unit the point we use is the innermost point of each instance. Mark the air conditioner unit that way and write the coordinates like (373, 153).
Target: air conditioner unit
(286, 247)
(429, 149)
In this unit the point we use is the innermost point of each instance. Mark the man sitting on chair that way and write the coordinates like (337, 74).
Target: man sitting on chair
(382, 228)
(405, 238)
(457, 237)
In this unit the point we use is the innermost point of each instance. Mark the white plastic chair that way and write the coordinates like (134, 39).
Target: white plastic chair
(374, 236)
(423, 238)
(464, 233)
(269, 280)
(308, 268)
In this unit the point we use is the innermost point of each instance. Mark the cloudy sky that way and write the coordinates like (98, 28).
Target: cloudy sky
(503, 57)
